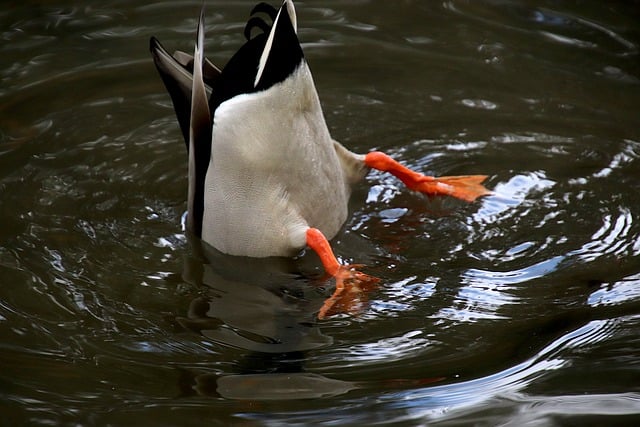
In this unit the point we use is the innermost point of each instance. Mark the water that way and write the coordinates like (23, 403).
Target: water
(520, 309)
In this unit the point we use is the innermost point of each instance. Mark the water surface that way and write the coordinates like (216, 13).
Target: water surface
(523, 307)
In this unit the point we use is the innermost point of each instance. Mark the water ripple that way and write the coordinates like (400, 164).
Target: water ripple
(620, 292)
(489, 312)
(446, 402)
(555, 25)
(610, 239)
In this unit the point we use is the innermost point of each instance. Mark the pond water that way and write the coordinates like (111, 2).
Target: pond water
(522, 308)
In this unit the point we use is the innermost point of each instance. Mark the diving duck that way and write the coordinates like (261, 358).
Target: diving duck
(265, 178)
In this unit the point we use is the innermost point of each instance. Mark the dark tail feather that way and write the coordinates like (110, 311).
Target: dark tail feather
(199, 135)
(176, 72)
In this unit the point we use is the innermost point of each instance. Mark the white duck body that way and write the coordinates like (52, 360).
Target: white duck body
(275, 171)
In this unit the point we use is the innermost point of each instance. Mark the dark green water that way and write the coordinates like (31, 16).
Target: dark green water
(522, 308)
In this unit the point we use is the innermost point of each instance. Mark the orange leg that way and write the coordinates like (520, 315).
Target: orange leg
(351, 285)
(465, 187)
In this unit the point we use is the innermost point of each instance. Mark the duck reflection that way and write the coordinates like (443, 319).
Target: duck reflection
(259, 305)
(263, 306)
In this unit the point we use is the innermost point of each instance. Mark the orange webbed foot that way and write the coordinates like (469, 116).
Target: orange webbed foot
(464, 187)
(350, 295)
(352, 286)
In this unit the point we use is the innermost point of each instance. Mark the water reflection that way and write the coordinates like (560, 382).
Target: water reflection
(279, 386)
(618, 292)
(521, 308)
(259, 306)
(454, 402)
(254, 304)
(267, 312)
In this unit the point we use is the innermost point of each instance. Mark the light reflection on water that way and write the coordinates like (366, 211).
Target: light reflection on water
(469, 399)
(519, 308)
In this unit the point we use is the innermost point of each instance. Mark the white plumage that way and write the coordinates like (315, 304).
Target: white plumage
(274, 172)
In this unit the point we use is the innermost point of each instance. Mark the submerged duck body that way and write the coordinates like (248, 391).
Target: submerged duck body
(265, 176)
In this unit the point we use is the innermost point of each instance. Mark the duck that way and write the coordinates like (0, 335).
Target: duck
(265, 177)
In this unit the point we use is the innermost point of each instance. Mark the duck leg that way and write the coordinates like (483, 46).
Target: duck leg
(464, 187)
(351, 285)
